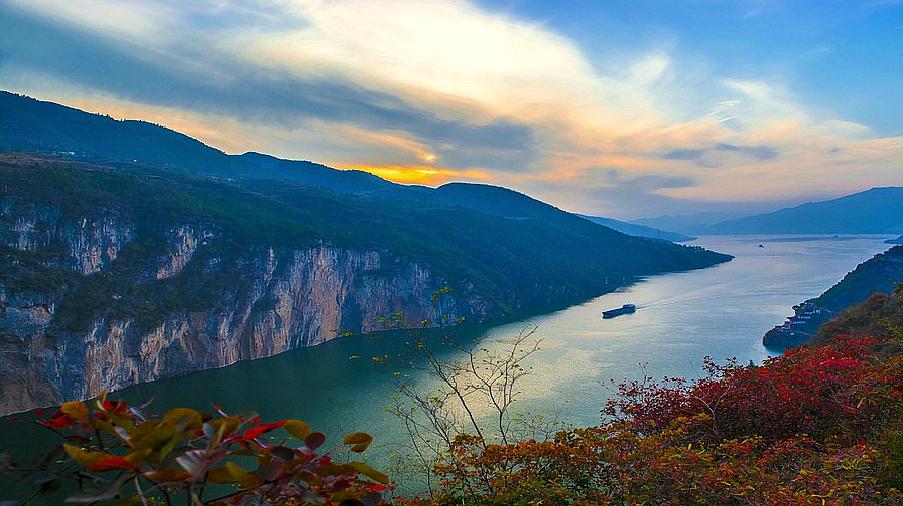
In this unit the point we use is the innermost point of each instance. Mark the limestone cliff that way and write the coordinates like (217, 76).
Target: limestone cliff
(114, 273)
(266, 301)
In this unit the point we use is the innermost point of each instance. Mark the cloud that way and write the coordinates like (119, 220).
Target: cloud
(758, 152)
(213, 83)
(620, 192)
(684, 154)
(431, 90)
(709, 157)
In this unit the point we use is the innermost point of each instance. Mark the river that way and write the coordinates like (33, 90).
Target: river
(721, 312)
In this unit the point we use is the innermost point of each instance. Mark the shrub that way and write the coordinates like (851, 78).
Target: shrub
(113, 453)
(814, 426)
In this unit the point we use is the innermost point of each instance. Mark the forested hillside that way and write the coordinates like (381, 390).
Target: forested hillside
(122, 273)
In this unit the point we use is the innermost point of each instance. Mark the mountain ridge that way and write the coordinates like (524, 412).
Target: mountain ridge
(32, 125)
(879, 274)
(638, 230)
(877, 210)
(153, 268)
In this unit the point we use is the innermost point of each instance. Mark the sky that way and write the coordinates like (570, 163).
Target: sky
(622, 108)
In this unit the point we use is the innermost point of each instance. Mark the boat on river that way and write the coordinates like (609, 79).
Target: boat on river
(625, 309)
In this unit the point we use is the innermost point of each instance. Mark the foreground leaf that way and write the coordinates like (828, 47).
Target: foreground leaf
(359, 440)
(298, 429)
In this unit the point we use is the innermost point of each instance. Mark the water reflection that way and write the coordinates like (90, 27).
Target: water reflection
(722, 312)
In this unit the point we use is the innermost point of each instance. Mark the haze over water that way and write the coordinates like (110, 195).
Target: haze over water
(722, 312)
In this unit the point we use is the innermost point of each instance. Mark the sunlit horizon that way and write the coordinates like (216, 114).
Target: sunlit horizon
(607, 109)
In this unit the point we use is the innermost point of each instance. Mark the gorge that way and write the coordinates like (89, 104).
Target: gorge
(117, 271)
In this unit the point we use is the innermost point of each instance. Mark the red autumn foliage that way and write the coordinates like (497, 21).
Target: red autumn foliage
(805, 391)
(58, 420)
(110, 463)
(809, 427)
(113, 453)
(258, 431)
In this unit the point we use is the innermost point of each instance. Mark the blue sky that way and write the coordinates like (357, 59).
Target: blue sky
(619, 108)
(844, 57)
(841, 57)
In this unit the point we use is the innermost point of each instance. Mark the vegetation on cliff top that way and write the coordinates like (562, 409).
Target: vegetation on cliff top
(515, 265)
(879, 274)
(880, 314)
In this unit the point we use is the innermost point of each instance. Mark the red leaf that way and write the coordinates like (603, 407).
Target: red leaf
(315, 440)
(257, 431)
(111, 462)
(58, 420)
(119, 407)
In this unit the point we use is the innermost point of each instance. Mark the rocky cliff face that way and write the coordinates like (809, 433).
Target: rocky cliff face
(90, 242)
(266, 301)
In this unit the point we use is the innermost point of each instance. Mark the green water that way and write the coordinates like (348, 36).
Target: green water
(722, 312)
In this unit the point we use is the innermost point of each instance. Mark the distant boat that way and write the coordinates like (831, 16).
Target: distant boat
(625, 309)
(761, 245)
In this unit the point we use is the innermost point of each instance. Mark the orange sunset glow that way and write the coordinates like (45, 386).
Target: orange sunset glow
(429, 176)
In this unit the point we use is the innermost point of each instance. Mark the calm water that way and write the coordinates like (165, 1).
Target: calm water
(722, 312)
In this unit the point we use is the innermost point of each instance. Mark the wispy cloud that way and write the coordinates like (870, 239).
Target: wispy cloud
(429, 91)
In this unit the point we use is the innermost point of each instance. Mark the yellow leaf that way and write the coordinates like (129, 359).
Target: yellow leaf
(228, 424)
(233, 473)
(298, 429)
(360, 440)
(85, 458)
(138, 456)
(369, 472)
(190, 418)
(75, 410)
(127, 501)
(167, 475)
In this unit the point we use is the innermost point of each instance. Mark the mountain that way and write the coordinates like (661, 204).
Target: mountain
(898, 240)
(875, 211)
(638, 230)
(696, 223)
(881, 273)
(30, 125)
(120, 266)
(880, 314)
(314, 174)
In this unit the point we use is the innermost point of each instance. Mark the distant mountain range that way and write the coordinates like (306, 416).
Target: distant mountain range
(689, 224)
(875, 211)
(638, 230)
(135, 250)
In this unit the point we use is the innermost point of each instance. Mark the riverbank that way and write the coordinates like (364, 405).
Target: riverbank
(722, 312)
(880, 273)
